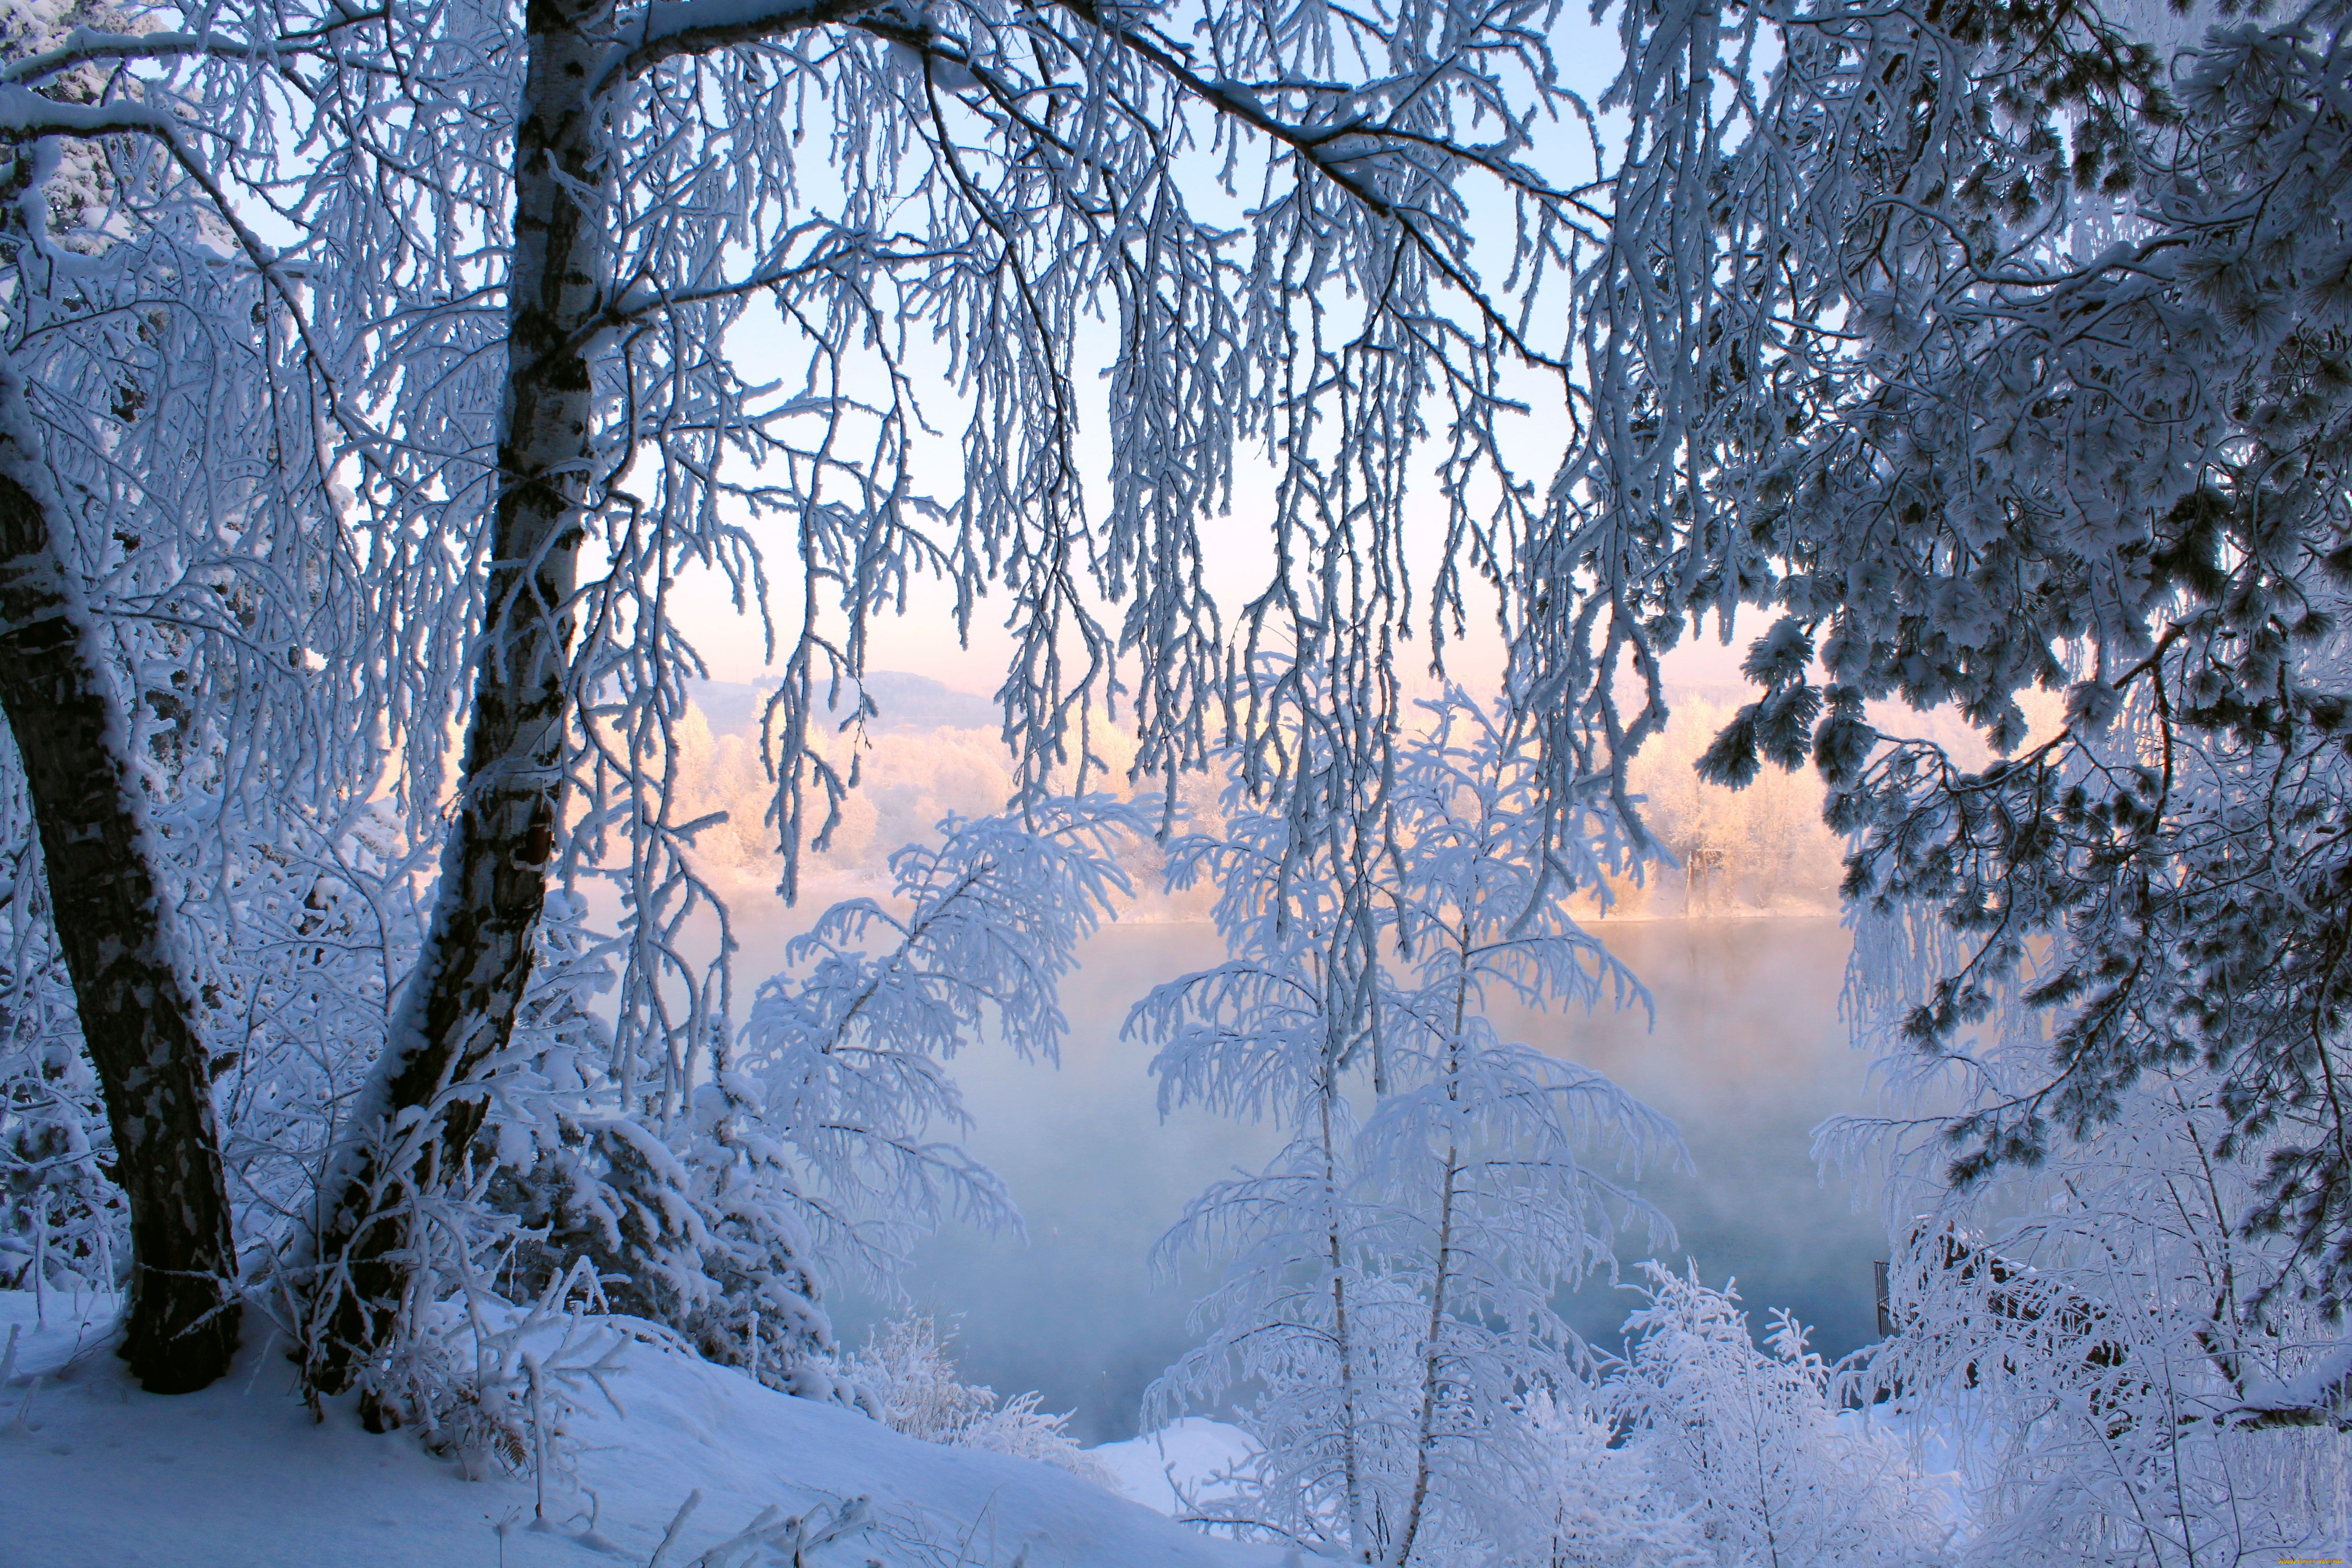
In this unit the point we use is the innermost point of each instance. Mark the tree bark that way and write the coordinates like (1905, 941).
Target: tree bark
(424, 1107)
(137, 1018)
(426, 1103)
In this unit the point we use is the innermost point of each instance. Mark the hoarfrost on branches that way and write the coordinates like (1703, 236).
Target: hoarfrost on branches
(1390, 1277)
(1995, 347)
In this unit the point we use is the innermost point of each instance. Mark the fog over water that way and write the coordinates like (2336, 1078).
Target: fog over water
(1748, 1056)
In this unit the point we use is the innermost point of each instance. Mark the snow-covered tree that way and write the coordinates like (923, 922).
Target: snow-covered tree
(177, 596)
(2099, 1338)
(494, 334)
(1998, 346)
(542, 237)
(1982, 344)
(1390, 1277)
(513, 249)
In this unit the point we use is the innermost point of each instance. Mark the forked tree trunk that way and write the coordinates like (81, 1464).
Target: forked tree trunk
(1424, 1462)
(424, 1106)
(134, 1003)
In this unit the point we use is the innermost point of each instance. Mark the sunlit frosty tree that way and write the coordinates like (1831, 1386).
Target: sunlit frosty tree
(518, 257)
(917, 209)
(1390, 1277)
(2116, 1359)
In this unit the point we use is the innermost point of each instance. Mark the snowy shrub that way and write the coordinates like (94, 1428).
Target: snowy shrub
(812, 1144)
(1750, 1441)
(1597, 1503)
(906, 1379)
(818, 1143)
(491, 1384)
(62, 1223)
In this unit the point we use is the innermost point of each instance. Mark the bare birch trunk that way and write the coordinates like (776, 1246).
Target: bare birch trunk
(1425, 1434)
(459, 1007)
(137, 1018)
(1359, 1523)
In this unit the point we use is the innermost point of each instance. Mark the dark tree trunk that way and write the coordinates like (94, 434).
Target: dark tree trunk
(426, 1103)
(459, 1007)
(133, 1001)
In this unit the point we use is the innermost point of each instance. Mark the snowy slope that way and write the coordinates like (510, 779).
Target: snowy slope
(1192, 1452)
(92, 1471)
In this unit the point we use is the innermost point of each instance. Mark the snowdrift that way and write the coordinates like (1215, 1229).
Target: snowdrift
(92, 1471)
(1192, 1452)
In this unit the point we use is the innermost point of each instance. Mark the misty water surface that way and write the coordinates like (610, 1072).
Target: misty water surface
(1748, 1056)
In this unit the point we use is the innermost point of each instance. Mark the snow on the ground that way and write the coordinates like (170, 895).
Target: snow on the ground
(1193, 1453)
(93, 1471)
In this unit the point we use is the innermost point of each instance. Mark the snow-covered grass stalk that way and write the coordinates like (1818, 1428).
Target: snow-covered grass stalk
(784, 1538)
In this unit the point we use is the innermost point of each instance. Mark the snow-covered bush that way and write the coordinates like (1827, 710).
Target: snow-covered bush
(820, 1141)
(1750, 1440)
(62, 1223)
(905, 1377)
(1597, 1502)
(486, 1381)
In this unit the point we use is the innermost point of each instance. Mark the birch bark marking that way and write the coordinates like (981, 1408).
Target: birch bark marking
(1425, 1435)
(1359, 1523)
(137, 1021)
(459, 1007)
